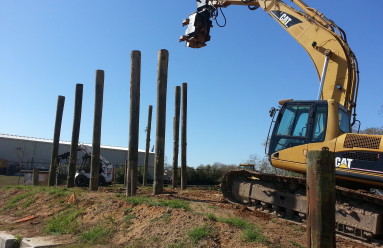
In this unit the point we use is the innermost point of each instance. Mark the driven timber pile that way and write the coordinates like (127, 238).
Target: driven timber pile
(358, 214)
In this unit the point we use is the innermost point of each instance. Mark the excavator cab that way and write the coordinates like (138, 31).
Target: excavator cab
(302, 126)
(299, 123)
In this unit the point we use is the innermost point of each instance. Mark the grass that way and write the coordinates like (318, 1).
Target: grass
(297, 228)
(212, 207)
(154, 239)
(55, 191)
(27, 198)
(178, 245)
(127, 218)
(165, 218)
(250, 233)
(16, 199)
(199, 233)
(212, 217)
(26, 187)
(10, 180)
(171, 204)
(28, 202)
(136, 200)
(253, 234)
(97, 234)
(58, 191)
(237, 222)
(297, 244)
(63, 223)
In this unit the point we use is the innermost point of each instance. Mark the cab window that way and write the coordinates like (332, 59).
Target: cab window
(320, 123)
(294, 121)
(292, 129)
(344, 121)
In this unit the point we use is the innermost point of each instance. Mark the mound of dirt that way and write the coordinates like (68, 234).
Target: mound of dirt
(192, 218)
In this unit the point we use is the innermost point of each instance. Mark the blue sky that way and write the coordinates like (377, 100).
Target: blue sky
(47, 46)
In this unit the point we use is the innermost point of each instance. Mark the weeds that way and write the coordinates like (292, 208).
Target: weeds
(199, 233)
(17, 240)
(165, 218)
(136, 200)
(297, 228)
(26, 187)
(138, 243)
(171, 204)
(96, 234)
(296, 244)
(63, 223)
(127, 218)
(16, 199)
(237, 222)
(251, 233)
(154, 239)
(178, 245)
(28, 202)
(212, 217)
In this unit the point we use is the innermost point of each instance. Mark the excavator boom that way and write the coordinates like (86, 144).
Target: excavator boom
(332, 57)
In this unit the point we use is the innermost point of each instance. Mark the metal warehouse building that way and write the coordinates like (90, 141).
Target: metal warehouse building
(24, 153)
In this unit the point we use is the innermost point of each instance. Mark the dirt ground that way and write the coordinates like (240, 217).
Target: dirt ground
(140, 223)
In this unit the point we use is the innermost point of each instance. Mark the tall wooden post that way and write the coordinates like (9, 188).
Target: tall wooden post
(135, 73)
(56, 140)
(96, 144)
(320, 199)
(176, 132)
(35, 177)
(148, 130)
(75, 136)
(125, 172)
(183, 136)
(163, 59)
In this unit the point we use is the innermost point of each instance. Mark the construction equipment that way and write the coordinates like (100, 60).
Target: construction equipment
(302, 126)
(247, 166)
(82, 175)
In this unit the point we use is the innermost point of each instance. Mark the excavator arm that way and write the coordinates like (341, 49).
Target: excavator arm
(325, 42)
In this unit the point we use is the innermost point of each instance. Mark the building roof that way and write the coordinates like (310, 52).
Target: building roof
(16, 137)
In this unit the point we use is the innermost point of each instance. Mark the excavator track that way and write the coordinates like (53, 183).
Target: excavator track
(358, 214)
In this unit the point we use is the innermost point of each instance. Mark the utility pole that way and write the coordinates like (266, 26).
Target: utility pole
(183, 136)
(176, 132)
(96, 144)
(163, 59)
(75, 135)
(135, 73)
(148, 130)
(56, 140)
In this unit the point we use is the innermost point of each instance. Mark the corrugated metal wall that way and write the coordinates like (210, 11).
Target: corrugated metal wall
(37, 153)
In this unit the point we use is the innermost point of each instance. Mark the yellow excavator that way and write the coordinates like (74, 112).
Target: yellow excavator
(302, 126)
